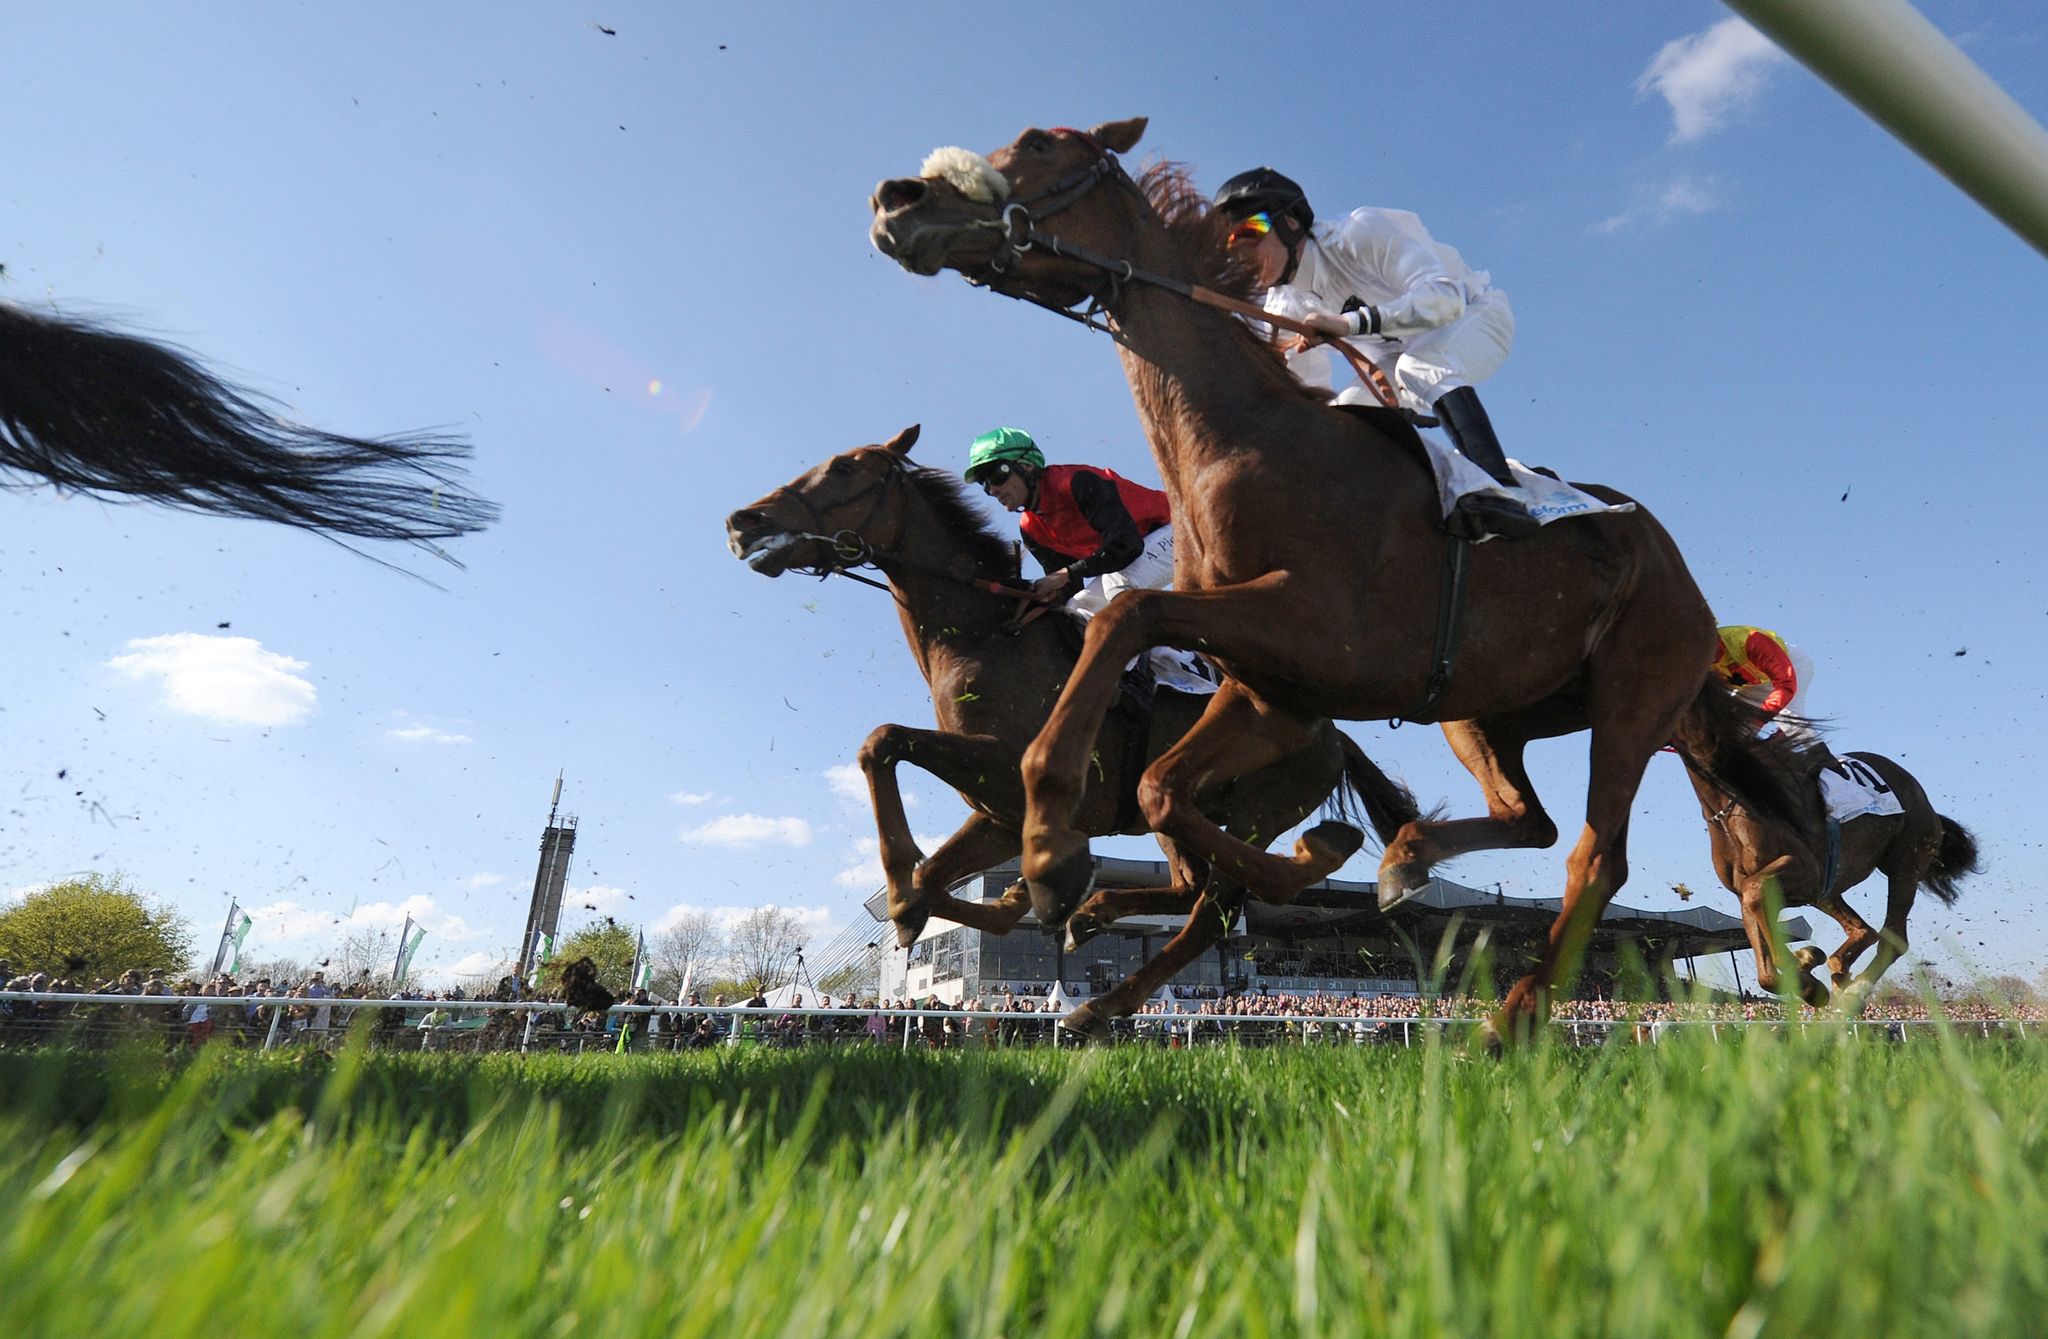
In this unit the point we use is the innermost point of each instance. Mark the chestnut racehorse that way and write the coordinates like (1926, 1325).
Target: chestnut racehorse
(992, 684)
(1309, 554)
(1914, 849)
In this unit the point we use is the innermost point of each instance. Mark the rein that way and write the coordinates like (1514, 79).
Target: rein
(1018, 225)
(850, 550)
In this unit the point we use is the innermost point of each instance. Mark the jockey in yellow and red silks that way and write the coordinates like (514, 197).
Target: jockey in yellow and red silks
(1757, 665)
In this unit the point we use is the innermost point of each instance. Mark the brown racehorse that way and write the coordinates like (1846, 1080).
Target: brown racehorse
(1915, 849)
(93, 409)
(992, 685)
(1309, 554)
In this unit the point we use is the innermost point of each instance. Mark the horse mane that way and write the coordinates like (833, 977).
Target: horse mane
(948, 498)
(1198, 233)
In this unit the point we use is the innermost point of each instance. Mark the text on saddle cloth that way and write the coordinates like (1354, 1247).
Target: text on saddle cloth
(1862, 793)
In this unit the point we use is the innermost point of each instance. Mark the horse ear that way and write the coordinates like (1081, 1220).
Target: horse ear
(903, 441)
(1120, 136)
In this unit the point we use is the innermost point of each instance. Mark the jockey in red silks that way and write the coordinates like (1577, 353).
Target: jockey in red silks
(1096, 533)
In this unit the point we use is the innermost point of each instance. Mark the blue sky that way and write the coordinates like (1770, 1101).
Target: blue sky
(1738, 300)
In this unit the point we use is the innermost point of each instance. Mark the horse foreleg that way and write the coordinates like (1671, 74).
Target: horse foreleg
(1107, 906)
(1515, 817)
(1204, 929)
(1056, 765)
(973, 764)
(1234, 737)
(981, 842)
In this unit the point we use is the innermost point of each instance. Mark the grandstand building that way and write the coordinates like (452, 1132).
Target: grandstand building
(1332, 940)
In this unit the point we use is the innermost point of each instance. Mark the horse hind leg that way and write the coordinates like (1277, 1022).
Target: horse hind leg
(1901, 887)
(1856, 941)
(1214, 910)
(1493, 754)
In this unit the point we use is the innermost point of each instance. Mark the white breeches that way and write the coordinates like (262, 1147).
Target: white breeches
(1152, 569)
(1424, 368)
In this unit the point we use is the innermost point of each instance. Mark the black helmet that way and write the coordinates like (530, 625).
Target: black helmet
(1264, 189)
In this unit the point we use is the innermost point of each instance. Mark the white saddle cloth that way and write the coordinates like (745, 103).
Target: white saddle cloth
(1862, 793)
(1546, 498)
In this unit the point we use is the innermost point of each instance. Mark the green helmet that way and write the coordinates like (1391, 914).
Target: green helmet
(1003, 446)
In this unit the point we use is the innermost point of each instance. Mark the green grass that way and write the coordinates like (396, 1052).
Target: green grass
(1770, 1186)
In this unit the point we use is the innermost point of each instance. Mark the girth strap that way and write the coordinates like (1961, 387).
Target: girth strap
(1450, 624)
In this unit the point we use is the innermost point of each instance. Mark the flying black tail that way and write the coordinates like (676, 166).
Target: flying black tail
(113, 414)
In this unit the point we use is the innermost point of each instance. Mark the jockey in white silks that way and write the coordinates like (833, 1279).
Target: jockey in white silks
(1430, 322)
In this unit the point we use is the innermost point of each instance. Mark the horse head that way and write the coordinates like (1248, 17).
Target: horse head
(830, 516)
(979, 215)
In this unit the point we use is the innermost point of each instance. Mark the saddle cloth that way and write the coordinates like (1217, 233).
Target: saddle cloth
(1546, 498)
(1863, 793)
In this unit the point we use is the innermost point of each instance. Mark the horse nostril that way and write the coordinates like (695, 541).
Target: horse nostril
(743, 520)
(891, 196)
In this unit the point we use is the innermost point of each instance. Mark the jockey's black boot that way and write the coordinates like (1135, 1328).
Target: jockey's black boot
(1478, 516)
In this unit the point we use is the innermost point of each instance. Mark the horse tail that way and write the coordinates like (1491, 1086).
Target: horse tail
(1956, 860)
(107, 413)
(1389, 805)
(1717, 738)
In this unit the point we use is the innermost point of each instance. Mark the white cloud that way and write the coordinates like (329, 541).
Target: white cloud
(481, 965)
(849, 783)
(688, 798)
(599, 899)
(748, 830)
(290, 925)
(1661, 204)
(232, 680)
(427, 734)
(865, 871)
(1710, 76)
(484, 880)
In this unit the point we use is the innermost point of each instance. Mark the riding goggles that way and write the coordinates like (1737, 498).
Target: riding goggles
(1250, 228)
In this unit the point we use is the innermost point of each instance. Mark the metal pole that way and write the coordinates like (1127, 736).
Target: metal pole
(1911, 79)
(276, 1017)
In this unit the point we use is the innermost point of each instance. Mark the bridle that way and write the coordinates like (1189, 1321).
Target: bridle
(1018, 227)
(849, 549)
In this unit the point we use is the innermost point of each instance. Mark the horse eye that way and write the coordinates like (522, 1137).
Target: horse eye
(840, 466)
(1037, 141)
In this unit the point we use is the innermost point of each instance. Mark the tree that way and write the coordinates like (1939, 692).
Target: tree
(609, 946)
(691, 946)
(860, 975)
(364, 958)
(761, 947)
(92, 928)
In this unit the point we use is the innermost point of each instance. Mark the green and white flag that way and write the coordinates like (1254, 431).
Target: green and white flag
(235, 937)
(543, 949)
(408, 944)
(643, 968)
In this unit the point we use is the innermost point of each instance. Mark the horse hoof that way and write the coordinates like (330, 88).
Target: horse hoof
(1060, 886)
(1325, 847)
(910, 925)
(1085, 1025)
(1081, 928)
(1809, 958)
(1399, 883)
(1491, 1042)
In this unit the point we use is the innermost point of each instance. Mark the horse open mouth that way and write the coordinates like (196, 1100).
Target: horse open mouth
(768, 555)
(918, 247)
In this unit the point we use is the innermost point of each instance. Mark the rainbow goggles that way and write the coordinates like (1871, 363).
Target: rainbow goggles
(1250, 228)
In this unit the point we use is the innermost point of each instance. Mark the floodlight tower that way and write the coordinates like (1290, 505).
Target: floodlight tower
(544, 915)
